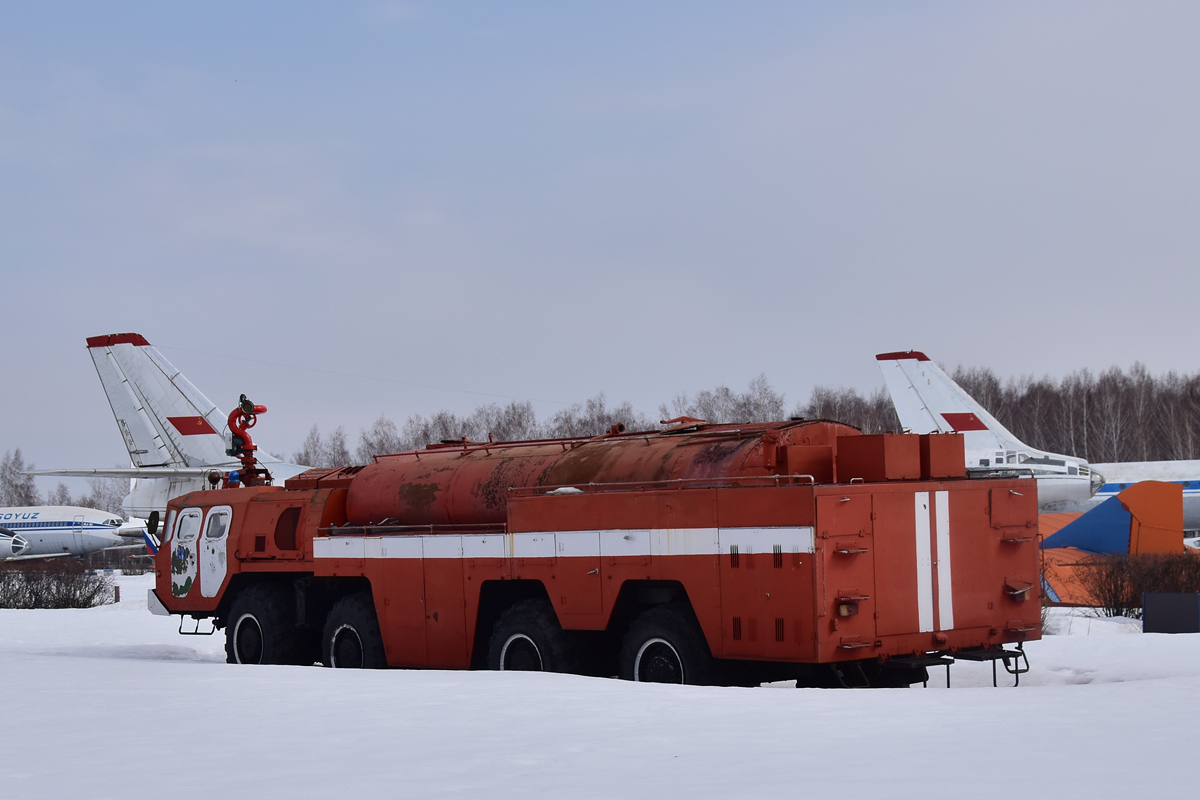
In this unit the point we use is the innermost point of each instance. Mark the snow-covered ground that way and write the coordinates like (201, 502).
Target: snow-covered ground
(112, 702)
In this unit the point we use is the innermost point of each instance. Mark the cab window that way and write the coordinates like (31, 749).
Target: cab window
(189, 525)
(218, 523)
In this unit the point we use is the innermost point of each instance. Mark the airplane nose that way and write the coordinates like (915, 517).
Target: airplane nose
(1097, 482)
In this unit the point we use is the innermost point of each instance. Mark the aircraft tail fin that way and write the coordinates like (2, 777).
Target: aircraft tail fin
(927, 400)
(164, 420)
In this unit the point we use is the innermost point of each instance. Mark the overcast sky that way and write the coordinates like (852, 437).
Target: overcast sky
(348, 209)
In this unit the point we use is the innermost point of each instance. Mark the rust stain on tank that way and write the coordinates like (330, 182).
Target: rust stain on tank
(717, 452)
(579, 466)
(418, 496)
(493, 492)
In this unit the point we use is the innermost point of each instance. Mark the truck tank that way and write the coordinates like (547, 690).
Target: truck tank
(468, 483)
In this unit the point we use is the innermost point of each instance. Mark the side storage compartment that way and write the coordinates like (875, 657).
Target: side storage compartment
(846, 584)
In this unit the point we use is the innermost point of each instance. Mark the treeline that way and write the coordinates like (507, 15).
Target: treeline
(1117, 415)
(517, 420)
(18, 489)
(511, 422)
(1113, 416)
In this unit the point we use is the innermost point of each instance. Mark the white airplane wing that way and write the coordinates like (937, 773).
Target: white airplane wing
(45, 557)
(132, 472)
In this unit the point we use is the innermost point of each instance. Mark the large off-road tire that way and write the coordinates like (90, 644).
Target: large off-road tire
(352, 639)
(261, 627)
(665, 645)
(528, 638)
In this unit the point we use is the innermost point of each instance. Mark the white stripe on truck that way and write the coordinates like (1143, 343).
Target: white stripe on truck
(572, 544)
(945, 587)
(924, 563)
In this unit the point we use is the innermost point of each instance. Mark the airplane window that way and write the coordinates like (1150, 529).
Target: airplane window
(1022, 458)
(983, 462)
(217, 523)
(1053, 462)
(1072, 471)
(189, 525)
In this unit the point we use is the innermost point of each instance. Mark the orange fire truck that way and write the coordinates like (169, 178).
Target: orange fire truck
(694, 554)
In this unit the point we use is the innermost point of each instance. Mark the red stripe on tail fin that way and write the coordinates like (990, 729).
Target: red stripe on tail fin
(191, 426)
(964, 421)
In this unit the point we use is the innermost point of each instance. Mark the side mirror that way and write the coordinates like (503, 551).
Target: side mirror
(152, 524)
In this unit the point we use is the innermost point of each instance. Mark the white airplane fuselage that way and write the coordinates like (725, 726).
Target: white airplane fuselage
(53, 531)
(1120, 475)
(1061, 479)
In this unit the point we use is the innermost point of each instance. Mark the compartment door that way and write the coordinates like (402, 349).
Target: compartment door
(403, 586)
(845, 538)
(915, 576)
(445, 604)
(896, 550)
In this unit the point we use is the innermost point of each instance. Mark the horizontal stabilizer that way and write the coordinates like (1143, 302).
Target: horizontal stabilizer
(46, 557)
(131, 472)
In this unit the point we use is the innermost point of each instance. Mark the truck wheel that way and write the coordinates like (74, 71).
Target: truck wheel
(352, 639)
(665, 645)
(261, 629)
(528, 638)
